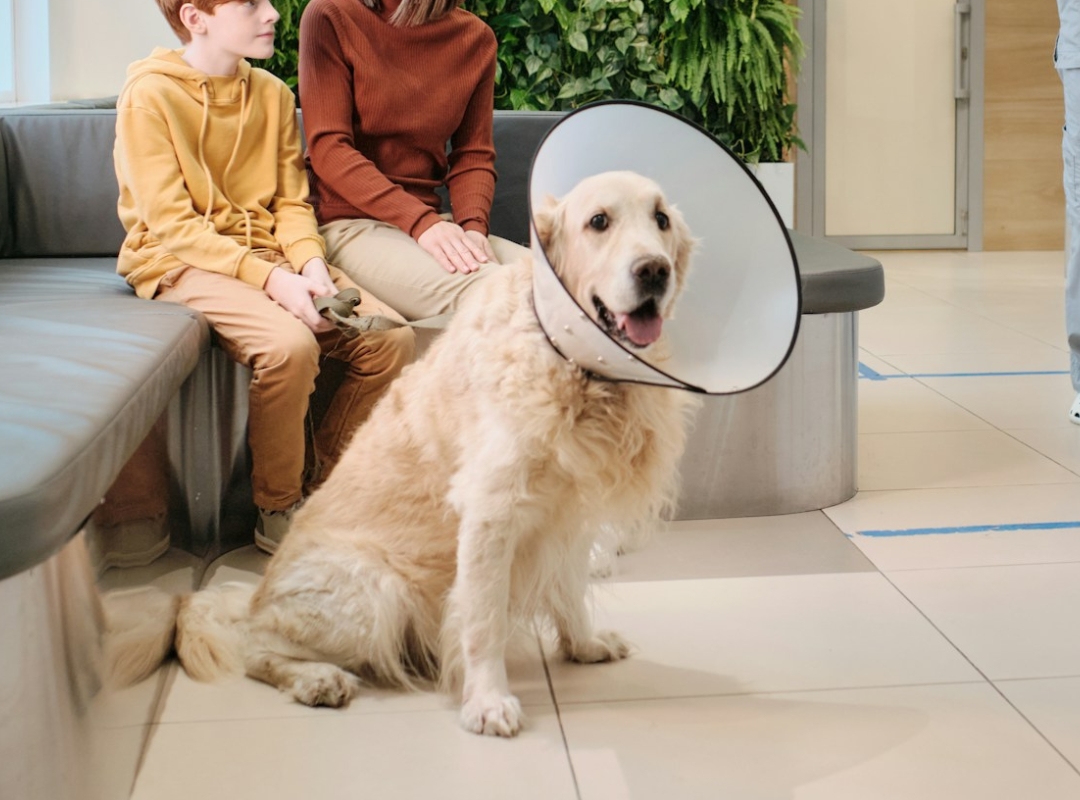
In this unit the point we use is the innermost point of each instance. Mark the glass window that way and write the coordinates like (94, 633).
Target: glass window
(7, 52)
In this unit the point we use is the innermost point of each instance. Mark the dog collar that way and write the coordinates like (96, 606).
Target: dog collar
(738, 316)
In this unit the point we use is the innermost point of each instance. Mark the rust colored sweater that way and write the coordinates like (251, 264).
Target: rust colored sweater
(380, 104)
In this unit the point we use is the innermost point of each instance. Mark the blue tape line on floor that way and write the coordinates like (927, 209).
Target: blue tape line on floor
(872, 375)
(1020, 526)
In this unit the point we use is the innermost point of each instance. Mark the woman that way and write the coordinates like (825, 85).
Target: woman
(384, 85)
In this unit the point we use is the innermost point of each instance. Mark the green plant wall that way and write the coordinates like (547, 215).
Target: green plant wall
(723, 64)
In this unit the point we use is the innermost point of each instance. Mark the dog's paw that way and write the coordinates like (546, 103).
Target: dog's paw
(603, 646)
(325, 685)
(601, 561)
(492, 715)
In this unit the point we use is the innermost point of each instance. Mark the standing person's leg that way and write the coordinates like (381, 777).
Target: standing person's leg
(389, 262)
(283, 355)
(1070, 148)
(372, 361)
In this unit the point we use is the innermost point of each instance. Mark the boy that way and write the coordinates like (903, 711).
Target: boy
(212, 195)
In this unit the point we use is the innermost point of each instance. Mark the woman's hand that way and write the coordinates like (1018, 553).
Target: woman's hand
(454, 248)
(483, 241)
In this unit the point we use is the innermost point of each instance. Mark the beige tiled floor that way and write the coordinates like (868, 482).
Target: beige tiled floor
(919, 642)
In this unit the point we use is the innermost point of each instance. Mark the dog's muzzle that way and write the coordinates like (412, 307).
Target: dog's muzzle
(651, 276)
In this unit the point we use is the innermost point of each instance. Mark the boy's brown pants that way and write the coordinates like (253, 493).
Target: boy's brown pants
(284, 357)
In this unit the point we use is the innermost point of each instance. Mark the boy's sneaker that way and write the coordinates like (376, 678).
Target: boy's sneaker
(1074, 411)
(271, 527)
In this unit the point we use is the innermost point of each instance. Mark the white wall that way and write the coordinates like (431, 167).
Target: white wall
(91, 43)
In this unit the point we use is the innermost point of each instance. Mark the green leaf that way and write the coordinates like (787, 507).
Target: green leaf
(679, 9)
(574, 88)
(519, 98)
(670, 98)
(578, 41)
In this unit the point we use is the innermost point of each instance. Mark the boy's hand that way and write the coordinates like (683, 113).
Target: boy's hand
(294, 293)
(452, 247)
(316, 270)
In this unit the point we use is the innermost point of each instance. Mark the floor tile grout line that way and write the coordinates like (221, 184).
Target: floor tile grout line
(941, 489)
(968, 309)
(1003, 431)
(995, 427)
(955, 403)
(908, 570)
(1073, 470)
(1066, 677)
(559, 719)
(1034, 727)
(770, 692)
(985, 677)
(168, 680)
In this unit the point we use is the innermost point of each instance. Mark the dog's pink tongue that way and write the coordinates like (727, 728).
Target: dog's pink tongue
(640, 329)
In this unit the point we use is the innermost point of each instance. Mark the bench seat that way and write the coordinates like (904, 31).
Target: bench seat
(86, 369)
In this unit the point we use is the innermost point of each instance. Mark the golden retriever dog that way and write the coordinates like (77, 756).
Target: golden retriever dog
(465, 509)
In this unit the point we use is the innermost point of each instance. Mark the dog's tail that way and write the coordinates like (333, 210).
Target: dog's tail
(139, 628)
(211, 631)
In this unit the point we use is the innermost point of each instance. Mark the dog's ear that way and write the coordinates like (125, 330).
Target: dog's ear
(685, 245)
(548, 221)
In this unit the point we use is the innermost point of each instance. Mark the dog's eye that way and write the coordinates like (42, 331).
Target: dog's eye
(662, 220)
(599, 222)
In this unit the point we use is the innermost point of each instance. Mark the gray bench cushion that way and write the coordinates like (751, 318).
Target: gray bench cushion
(86, 368)
(835, 279)
(60, 183)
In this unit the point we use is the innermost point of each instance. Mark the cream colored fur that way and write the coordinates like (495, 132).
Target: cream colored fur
(465, 509)
(139, 631)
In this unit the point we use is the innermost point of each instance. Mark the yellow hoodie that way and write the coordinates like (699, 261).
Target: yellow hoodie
(211, 172)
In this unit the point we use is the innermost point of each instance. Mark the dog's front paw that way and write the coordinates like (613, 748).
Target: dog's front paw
(602, 561)
(603, 646)
(492, 714)
(325, 685)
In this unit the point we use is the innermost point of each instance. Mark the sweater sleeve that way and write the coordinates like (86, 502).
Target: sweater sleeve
(326, 95)
(148, 167)
(294, 219)
(471, 175)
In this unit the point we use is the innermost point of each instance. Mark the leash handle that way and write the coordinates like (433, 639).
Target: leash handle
(339, 310)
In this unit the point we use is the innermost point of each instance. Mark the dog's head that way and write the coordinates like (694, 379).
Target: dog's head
(622, 250)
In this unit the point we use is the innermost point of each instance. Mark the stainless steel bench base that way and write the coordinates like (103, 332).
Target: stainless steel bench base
(65, 736)
(786, 446)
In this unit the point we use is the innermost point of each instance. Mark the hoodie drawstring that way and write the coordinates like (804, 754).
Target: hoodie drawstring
(232, 157)
(202, 153)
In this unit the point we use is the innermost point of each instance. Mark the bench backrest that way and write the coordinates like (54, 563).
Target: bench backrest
(58, 188)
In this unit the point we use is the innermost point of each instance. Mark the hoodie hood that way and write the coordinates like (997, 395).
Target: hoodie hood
(163, 61)
(210, 91)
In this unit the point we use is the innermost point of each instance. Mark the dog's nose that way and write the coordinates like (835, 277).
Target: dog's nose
(652, 274)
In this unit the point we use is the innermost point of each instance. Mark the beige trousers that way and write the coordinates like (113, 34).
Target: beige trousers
(390, 262)
(284, 356)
